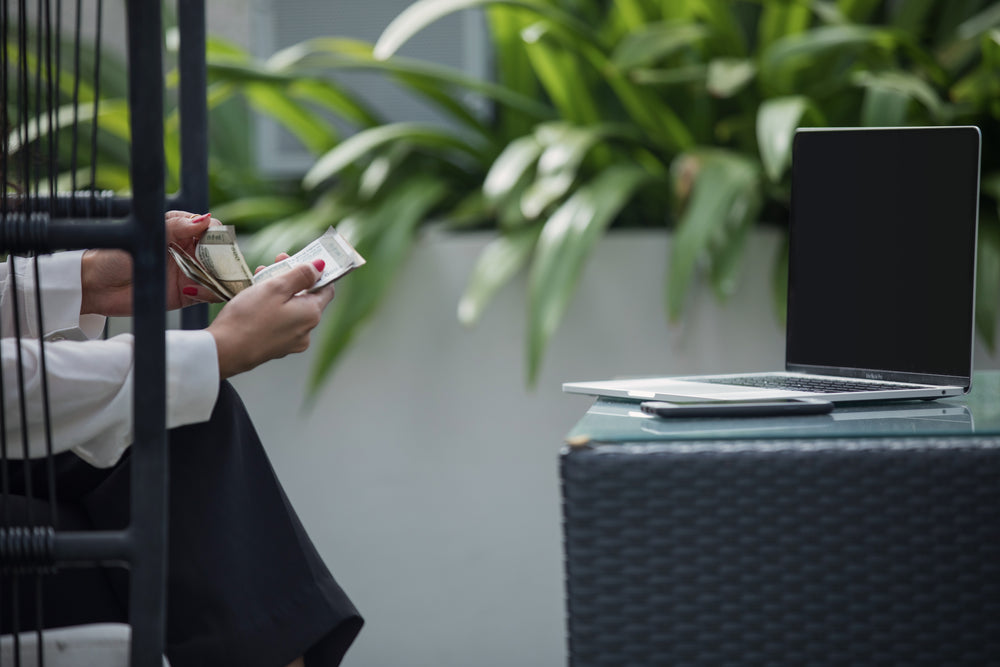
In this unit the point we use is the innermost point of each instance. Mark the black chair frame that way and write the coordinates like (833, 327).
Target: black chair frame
(133, 224)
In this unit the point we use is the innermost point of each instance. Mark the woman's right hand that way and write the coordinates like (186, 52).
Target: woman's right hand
(269, 320)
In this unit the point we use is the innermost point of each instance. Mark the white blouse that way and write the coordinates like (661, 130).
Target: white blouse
(90, 381)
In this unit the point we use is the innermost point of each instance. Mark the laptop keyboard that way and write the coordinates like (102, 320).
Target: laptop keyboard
(815, 385)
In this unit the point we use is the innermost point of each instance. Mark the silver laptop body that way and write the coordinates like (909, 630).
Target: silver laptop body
(881, 276)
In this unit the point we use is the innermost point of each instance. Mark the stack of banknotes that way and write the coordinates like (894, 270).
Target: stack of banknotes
(219, 266)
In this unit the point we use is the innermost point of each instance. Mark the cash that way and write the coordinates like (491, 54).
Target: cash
(219, 265)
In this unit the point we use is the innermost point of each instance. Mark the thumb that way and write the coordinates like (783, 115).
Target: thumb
(297, 279)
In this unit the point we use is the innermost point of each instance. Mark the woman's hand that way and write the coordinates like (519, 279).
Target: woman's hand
(106, 275)
(269, 320)
(183, 230)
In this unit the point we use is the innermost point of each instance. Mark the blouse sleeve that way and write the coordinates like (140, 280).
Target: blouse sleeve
(90, 382)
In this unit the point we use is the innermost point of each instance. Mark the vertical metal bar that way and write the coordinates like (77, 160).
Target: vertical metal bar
(193, 195)
(149, 455)
(193, 105)
(98, 25)
(5, 594)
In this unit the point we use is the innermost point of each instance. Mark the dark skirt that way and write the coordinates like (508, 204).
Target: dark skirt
(245, 585)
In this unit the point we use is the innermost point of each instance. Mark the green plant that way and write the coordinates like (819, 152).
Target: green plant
(633, 112)
(638, 112)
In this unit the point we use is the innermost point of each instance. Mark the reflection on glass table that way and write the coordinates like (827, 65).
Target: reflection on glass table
(620, 421)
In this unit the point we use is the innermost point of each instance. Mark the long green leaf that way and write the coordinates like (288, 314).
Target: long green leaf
(253, 212)
(499, 262)
(727, 249)
(110, 176)
(781, 61)
(565, 242)
(647, 46)
(991, 185)
(780, 19)
(858, 11)
(319, 56)
(777, 120)
(563, 76)
(314, 131)
(953, 13)
(650, 112)
(728, 76)
(633, 14)
(903, 86)
(291, 233)
(912, 15)
(884, 107)
(726, 187)
(564, 149)
(112, 116)
(513, 69)
(361, 144)
(335, 99)
(229, 125)
(511, 167)
(728, 37)
(365, 289)
(422, 13)
(976, 25)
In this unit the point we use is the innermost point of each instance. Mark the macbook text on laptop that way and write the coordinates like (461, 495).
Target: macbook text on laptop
(881, 273)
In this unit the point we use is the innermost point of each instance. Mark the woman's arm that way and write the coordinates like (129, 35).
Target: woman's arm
(60, 275)
(91, 383)
(90, 387)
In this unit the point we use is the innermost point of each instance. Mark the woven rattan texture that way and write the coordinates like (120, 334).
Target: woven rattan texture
(783, 554)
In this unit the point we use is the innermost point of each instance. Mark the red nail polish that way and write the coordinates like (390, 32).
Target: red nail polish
(319, 264)
(190, 291)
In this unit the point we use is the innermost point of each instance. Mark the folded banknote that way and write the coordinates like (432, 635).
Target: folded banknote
(219, 265)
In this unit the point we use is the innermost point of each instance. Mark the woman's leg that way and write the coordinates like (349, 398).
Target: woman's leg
(245, 585)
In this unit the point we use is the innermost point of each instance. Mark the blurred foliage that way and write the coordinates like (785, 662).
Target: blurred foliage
(601, 113)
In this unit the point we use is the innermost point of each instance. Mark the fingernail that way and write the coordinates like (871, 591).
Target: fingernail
(199, 218)
(190, 291)
(319, 264)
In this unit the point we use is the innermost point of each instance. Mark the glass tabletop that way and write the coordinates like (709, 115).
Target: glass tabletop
(976, 413)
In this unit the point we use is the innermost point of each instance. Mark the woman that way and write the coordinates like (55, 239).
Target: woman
(245, 585)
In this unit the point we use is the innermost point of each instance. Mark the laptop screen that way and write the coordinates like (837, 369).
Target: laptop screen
(882, 252)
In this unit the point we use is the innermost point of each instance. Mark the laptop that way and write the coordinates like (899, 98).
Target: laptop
(881, 273)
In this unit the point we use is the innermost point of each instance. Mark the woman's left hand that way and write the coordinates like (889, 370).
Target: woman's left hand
(106, 275)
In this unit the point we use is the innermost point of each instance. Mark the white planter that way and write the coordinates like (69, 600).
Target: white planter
(427, 472)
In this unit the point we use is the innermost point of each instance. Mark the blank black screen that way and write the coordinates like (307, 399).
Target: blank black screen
(882, 249)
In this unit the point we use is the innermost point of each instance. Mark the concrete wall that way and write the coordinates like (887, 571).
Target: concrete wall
(427, 472)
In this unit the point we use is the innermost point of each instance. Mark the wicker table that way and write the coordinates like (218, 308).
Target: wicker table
(869, 536)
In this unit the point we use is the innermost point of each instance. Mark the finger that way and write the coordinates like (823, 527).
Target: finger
(200, 223)
(324, 295)
(297, 279)
(281, 256)
(185, 228)
(195, 295)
